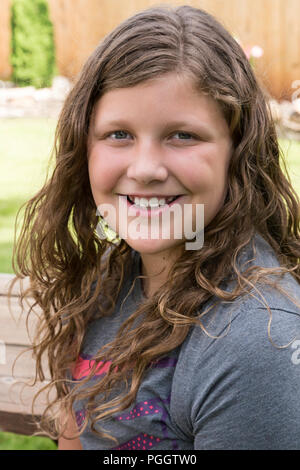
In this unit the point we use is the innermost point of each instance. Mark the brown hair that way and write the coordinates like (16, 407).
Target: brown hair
(58, 247)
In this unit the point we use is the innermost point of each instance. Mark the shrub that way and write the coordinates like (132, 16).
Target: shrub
(32, 44)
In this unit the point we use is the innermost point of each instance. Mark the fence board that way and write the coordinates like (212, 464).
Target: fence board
(20, 362)
(16, 394)
(17, 423)
(79, 26)
(13, 323)
(5, 36)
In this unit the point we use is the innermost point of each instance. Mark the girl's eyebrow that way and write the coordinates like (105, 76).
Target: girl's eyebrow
(171, 124)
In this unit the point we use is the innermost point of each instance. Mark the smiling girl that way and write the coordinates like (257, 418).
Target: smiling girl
(178, 147)
(152, 345)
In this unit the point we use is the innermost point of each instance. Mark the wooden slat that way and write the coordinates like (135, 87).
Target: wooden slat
(5, 38)
(13, 321)
(16, 383)
(23, 361)
(16, 396)
(5, 280)
(77, 31)
(12, 380)
(17, 423)
(15, 406)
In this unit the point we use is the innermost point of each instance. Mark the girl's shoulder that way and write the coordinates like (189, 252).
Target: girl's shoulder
(259, 253)
(266, 313)
(243, 357)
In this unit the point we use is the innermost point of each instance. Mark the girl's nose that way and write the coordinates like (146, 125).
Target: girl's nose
(147, 164)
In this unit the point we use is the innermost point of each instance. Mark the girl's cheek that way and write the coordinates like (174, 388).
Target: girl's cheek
(103, 169)
(196, 176)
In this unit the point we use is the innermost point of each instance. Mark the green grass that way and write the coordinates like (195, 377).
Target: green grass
(25, 147)
(10, 441)
(291, 150)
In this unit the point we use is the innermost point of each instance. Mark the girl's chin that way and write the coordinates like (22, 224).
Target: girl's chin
(152, 246)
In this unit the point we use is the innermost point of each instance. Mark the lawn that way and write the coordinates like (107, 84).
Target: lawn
(291, 150)
(10, 441)
(25, 147)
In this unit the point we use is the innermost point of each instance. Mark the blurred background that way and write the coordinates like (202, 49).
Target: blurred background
(43, 46)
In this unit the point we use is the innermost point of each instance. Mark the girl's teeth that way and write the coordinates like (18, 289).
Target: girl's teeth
(153, 202)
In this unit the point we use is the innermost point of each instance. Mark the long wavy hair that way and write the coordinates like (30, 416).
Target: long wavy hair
(59, 250)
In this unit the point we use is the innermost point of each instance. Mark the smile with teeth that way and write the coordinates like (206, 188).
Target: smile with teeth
(152, 202)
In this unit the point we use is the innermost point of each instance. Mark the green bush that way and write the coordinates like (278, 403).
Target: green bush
(32, 44)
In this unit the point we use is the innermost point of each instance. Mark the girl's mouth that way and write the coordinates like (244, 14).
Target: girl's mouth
(147, 210)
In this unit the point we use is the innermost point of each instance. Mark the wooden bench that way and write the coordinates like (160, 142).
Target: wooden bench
(15, 398)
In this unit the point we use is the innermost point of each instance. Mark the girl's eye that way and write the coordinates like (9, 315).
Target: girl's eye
(118, 132)
(184, 135)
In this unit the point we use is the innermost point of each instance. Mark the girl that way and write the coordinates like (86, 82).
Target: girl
(151, 343)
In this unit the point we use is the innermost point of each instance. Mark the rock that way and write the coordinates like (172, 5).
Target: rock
(60, 87)
(295, 117)
(43, 94)
(7, 94)
(286, 108)
(22, 101)
(6, 84)
(296, 105)
(292, 125)
(32, 102)
(275, 110)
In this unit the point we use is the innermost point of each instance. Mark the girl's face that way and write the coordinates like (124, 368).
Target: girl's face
(159, 138)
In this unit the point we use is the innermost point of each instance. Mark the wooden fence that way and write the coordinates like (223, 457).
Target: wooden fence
(15, 394)
(80, 24)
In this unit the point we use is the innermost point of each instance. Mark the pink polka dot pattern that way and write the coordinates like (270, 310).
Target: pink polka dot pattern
(142, 441)
(143, 408)
(80, 416)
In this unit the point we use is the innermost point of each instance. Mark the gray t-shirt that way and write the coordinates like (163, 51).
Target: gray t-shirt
(237, 391)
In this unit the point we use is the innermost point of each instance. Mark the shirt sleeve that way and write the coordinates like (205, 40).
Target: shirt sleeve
(241, 392)
(252, 400)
